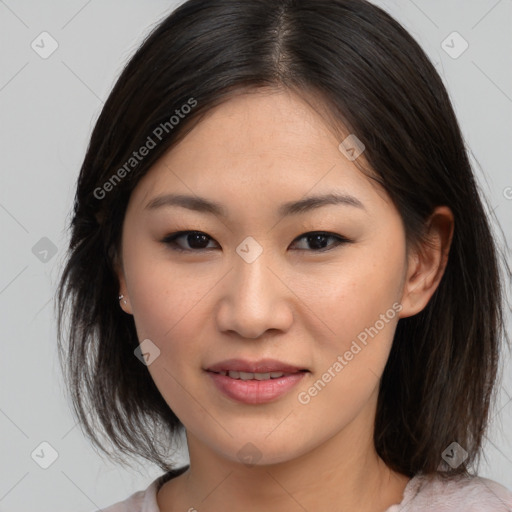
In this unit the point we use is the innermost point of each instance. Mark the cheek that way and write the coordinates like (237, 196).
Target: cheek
(360, 305)
(164, 296)
(361, 310)
(166, 304)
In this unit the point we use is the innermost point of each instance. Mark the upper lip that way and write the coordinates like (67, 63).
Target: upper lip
(261, 366)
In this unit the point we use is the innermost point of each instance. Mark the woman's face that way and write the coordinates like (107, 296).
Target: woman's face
(319, 312)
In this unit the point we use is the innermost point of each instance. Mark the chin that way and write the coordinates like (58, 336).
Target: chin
(251, 451)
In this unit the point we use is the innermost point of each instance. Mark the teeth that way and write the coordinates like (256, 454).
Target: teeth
(262, 376)
(253, 376)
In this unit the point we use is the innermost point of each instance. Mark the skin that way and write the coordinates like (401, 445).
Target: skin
(292, 303)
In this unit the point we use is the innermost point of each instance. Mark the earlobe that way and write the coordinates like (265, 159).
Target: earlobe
(123, 295)
(427, 262)
(124, 304)
(124, 300)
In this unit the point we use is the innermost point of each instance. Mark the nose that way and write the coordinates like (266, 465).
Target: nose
(255, 299)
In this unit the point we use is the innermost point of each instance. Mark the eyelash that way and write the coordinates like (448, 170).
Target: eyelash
(170, 240)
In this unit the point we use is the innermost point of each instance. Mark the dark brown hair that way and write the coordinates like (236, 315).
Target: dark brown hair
(377, 82)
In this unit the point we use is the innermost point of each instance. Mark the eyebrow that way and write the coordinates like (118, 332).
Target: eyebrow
(203, 205)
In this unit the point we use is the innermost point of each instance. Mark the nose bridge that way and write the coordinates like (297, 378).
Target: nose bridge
(254, 299)
(251, 272)
(253, 281)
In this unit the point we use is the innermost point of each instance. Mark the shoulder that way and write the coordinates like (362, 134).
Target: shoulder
(144, 500)
(140, 501)
(134, 503)
(450, 494)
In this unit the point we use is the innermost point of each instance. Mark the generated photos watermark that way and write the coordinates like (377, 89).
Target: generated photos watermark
(152, 141)
(304, 397)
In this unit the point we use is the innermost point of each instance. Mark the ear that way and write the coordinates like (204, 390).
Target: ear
(117, 263)
(427, 262)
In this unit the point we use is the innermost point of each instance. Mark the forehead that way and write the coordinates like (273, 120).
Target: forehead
(270, 143)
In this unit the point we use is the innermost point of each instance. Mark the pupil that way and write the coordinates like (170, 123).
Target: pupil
(197, 237)
(315, 239)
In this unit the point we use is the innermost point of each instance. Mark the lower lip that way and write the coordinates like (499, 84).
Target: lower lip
(255, 391)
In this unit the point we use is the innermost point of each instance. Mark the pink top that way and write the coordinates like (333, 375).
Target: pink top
(422, 494)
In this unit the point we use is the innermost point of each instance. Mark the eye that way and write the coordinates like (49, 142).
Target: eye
(317, 239)
(197, 241)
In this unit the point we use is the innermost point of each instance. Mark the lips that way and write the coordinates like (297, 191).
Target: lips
(255, 382)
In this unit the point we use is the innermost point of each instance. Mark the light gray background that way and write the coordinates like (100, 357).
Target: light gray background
(48, 108)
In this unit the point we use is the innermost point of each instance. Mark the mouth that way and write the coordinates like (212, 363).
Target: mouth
(261, 367)
(255, 376)
(255, 382)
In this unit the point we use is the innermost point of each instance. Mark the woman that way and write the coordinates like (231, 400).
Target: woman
(279, 249)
